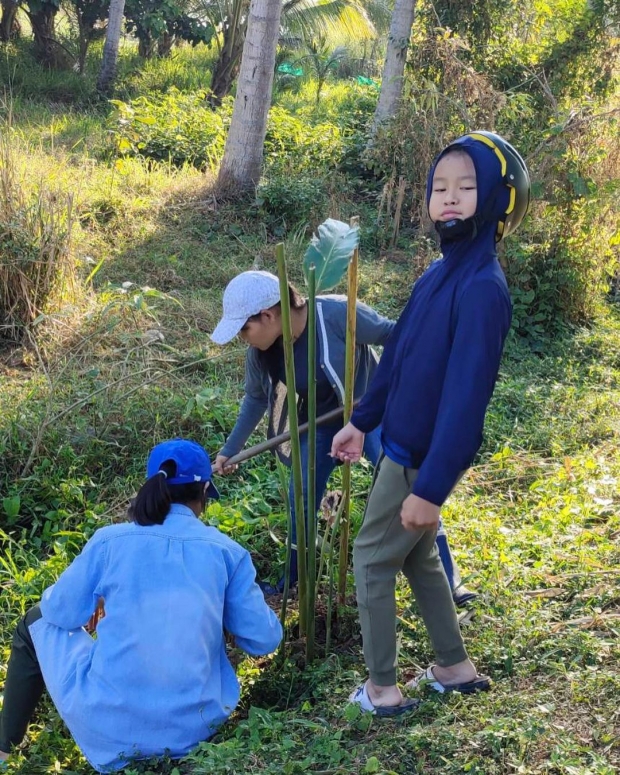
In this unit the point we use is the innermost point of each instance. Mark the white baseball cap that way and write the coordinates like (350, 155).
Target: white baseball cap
(245, 295)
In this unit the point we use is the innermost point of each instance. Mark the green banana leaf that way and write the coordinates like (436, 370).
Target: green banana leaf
(330, 253)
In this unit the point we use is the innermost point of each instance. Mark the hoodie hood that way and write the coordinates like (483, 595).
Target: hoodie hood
(493, 198)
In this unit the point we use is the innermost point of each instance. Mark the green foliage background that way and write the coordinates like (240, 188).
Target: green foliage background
(124, 360)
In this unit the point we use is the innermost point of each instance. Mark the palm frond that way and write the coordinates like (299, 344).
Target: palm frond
(332, 19)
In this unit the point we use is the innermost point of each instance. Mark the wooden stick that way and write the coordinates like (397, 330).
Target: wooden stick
(352, 284)
(265, 446)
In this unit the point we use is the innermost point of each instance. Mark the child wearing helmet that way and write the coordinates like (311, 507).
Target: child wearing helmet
(430, 395)
(157, 678)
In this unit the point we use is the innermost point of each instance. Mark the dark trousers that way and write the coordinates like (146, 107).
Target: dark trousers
(23, 687)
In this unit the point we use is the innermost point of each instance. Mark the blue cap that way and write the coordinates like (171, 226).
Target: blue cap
(192, 462)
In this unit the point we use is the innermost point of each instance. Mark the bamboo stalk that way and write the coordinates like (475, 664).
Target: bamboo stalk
(282, 475)
(330, 589)
(349, 379)
(311, 486)
(330, 531)
(287, 335)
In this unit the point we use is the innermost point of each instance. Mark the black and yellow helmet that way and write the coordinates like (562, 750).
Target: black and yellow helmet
(514, 176)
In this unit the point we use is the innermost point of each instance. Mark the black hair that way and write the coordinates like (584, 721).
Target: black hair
(154, 498)
(296, 300)
(454, 149)
(272, 356)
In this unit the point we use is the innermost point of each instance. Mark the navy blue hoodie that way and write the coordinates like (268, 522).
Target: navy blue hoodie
(439, 367)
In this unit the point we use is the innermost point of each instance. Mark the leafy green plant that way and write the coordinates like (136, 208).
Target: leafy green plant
(300, 144)
(176, 128)
(558, 274)
(326, 259)
(289, 201)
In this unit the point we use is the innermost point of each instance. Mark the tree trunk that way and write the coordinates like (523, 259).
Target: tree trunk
(84, 33)
(9, 26)
(395, 59)
(107, 74)
(47, 50)
(227, 66)
(243, 154)
(226, 70)
(147, 45)
(164, 45)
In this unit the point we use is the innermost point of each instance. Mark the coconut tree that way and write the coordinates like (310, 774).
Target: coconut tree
(107, 74)
(233, 26)
(322, 60)
(355, 19)
(243, 155)
(395, 59)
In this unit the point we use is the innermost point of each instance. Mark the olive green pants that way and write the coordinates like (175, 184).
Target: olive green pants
(383, 548)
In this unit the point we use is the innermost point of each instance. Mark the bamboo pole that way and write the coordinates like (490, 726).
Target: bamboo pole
(311, 485)
(283, 477)
(343, 561)
(287, 335)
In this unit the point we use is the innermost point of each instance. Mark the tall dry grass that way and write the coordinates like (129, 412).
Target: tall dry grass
(37, 270)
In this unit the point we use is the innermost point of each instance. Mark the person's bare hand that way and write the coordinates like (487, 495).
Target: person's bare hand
(220, 467)
(418, 514)
(348, 444)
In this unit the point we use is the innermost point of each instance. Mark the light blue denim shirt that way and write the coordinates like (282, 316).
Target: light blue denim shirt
(156, 678)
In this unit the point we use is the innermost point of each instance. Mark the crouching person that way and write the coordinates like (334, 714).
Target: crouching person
(156, 680)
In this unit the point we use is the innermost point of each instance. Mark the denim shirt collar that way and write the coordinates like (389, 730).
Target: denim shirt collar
(178, 509)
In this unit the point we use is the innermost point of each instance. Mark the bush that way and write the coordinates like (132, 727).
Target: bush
(562, 262)
(291, 200)
(295, 144)
(35, 236)
(176, 128)
(557, 270)
(26, 77)
(183, 129)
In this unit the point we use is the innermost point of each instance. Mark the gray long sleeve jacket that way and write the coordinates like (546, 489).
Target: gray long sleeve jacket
(262, 395)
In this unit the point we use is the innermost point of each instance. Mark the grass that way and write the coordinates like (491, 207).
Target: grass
(534, 525)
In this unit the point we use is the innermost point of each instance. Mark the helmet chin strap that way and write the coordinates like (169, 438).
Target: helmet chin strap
(457, 228)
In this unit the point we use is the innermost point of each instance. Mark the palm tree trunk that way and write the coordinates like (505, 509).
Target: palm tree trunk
(226, 70)
(227, 65)
(107, 74)
(8, 24)
(395, 59)
(243, 154)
